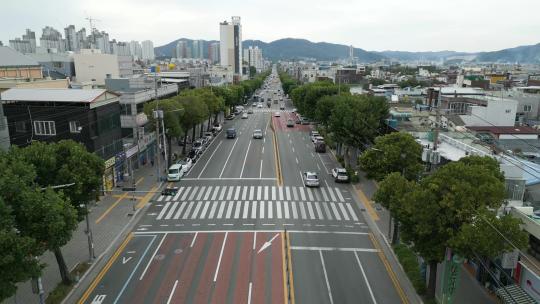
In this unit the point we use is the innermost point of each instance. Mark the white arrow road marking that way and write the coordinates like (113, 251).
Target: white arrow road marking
(267, 244)
(125, 260)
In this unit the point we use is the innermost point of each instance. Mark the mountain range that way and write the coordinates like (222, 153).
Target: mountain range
(294, 49)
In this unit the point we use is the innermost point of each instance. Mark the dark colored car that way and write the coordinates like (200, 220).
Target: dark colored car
(193, 155)
(231, 133)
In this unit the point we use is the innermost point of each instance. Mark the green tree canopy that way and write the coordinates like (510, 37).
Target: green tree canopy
(394, 152)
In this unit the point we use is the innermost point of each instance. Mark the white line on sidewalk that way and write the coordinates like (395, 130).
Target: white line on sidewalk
(172, 292)
(249, 293)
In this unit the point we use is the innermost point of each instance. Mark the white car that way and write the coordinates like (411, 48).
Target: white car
(217, 128)
(186, 164)
(277, 114)
(317, 138)
(257, 134)
(244, 116)
(175, 172)
(340, 175)
(259, 105)
(311, 179)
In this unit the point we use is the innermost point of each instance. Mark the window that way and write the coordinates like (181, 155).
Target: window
(75, 126)
(44, 127)
(125, 109)
(20, 126)
(527, 108)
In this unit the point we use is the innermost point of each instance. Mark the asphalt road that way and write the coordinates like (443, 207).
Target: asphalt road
(229, 233)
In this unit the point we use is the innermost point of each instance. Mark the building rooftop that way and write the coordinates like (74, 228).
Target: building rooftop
(504, 130)
(11, 58)
(53, 95)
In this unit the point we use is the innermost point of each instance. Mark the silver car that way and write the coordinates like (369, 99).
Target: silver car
(258, 134)
(311, 179)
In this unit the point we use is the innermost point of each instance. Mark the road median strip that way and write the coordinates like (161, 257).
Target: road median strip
(276, 154)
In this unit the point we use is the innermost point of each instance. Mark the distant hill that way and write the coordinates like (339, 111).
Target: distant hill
(292, 48)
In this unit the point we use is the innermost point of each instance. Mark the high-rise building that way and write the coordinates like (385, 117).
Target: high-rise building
(71, 39)
(182, 49)
(31, 37)
(230, 35)
(135, 50)
(102, 41)
(52, 39)
(122, 49)
(21, 46)
(82, 40)
(213, 52)
(253, 57)
(197, 49)
(147, 50)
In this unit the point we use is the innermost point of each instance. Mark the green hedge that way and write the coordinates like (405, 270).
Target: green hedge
(408, 260)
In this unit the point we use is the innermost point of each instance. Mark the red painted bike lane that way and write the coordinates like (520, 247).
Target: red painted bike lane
(223, 277)
(243, 269)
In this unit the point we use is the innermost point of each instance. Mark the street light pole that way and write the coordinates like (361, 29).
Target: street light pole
(91, 253)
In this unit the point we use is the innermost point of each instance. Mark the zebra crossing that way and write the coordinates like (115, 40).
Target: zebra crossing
(268, 110)
(255, 193)
(254, 210)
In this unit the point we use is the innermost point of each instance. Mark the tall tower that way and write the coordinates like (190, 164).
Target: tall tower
(351, 54)
(231, 44)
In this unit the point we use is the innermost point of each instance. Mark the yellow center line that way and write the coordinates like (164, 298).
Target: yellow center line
(105, 269)
(367, 204)
(389, 270)
(147, 197)
(291, 276)
(139, 180)
(279, 179)
(130, 196)
(123, 196)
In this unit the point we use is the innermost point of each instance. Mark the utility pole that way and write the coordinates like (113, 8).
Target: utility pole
(156, 118)
(437, 120)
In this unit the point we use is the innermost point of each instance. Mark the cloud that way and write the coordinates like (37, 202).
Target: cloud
(373, 25)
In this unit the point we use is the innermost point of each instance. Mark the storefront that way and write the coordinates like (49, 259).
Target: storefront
(131, 159)
(119, 167)
(108, 175)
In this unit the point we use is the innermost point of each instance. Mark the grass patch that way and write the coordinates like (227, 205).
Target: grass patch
(408, 260)
(59, 293)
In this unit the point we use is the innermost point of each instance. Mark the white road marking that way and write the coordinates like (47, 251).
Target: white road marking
(331, 194)
(310, 193)
(152, 257)
(213, 210)
(229, 209)
(254, 210)
(246, 210)
(325, 278)
(278, 206)
(163, 210)
(192, 195)
(172, 292)
(208, 161)
(160, 198)
(171, 211)
(327, 211)
(254, 239)
(294, 212)
(280, 193)
(194, 238)
(201, 193)
(339, 194)
(220, 255)
(310, 211)
(203, 212)
(251, 192)
(244, 193)
(365, 278)
(302, 194)
(228, 157)
(296, 158)
(261, 211)
(237, 210)
(249, 293)
(302, 210)
(274, 193)
(270, 213)
(319, 212)
(342, 208)
(286, 209)
(318, 167)
(324, 194)
(221, 208)
(216, 191)
(185, 194)
(287, 193)
(175, 198)
(265, 192)
(207, 193)
(230, 193)
(182, 206)
(222, 194)
(237, 194)
(260, 169)
(293, 152)
(245, 158)
(259, 192)
(336, 213)
(194, 215)
(188, 210)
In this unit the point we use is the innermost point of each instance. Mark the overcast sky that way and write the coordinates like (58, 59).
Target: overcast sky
(411, 25)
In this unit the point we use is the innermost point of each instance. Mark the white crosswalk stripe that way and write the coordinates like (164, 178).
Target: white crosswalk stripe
(171, 211)
(201, 203)
(160, 198)
(177, 214)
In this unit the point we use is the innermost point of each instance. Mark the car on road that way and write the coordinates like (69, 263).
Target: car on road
(320, 146)
(290, 123)
(305, 121)
(229, 117)
(186, 164)
(250, 111)
(193, 155)
(316, 138)
(169, 191)
(231, 133)
(259, 105)
(311, 179)
(244, 116)
(294, 110)
(175, 172)
(340, 175)
(198, 145)
(282, 107)
(277, 114)
(257, 134)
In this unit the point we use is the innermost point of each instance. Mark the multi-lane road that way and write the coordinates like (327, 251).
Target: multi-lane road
(243, 228)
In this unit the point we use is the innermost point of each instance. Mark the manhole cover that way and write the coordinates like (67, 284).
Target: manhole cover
(178, 251)
(159, 257)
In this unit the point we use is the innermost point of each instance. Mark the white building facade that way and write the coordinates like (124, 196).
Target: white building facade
(231, 44)
(147, 50)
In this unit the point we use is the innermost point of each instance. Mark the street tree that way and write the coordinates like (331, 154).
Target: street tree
(66, 162)
(195, 112)
(17, 254)
(394, 152)
(324, 108)
(172, 116)
(214, 103)
(434, 215)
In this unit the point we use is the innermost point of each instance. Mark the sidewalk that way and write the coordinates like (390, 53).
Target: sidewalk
(108, 218)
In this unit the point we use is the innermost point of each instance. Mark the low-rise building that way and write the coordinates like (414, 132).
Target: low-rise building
(91, 65)
(14, 65)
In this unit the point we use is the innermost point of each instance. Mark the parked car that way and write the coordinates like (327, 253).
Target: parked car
(250, 111)
(259, 105)
(208, 136)
(294, 110)
(277, 114)
(186, 164)
(317, 138)
(193, 155)
(290, 123)
(313, 133)
(340, 175)
(257, 134)
(229, 117)
(217, 128)
(231, 133)
(244, 116)
(175, 173)
(320, 146)
(311, 179)
(282, 107)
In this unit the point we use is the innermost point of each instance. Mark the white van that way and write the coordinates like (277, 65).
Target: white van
(176, 172)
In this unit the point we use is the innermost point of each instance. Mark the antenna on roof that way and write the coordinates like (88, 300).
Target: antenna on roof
(92, 29)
